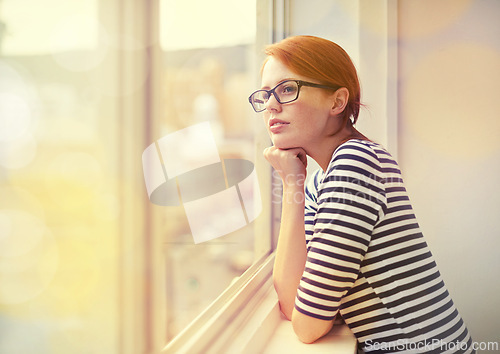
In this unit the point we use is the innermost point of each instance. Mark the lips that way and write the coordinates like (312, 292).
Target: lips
(276, 122)
(277, 125)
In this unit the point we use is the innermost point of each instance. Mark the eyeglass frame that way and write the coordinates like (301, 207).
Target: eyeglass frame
(300, 83)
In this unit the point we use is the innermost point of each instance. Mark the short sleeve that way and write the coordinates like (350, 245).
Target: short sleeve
(342, 209)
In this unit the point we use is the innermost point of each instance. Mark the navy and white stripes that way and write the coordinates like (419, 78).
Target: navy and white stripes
(368, 260)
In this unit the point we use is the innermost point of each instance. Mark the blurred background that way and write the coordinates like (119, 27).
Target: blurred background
(89, 265)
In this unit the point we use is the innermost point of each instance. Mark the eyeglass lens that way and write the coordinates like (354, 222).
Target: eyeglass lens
(285, 92)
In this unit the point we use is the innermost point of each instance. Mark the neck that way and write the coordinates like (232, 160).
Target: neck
(322, 151)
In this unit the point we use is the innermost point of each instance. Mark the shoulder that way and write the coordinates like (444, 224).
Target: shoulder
(357, 174)
(361, 148)
(361, 156)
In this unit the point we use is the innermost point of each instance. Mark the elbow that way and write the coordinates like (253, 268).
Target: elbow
(307, 329)
(306, 335)
(306, 338)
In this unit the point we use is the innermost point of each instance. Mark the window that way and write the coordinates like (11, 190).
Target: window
(87, 262)
(207, 70)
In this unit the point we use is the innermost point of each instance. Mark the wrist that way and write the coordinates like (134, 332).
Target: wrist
(290, 178)
(293, 194)
(293, 180)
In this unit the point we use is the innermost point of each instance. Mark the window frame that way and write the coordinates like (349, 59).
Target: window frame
(142, 306)
(210, 330)
(240, 301)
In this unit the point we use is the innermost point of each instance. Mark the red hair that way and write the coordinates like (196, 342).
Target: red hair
(321, 60)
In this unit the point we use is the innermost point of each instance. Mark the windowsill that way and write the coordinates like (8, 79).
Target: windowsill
(340, 340)
(247, 319)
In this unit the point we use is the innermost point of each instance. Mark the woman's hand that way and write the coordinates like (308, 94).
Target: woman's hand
(290, 164)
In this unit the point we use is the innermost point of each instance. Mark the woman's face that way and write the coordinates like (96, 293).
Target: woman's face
(302, 123)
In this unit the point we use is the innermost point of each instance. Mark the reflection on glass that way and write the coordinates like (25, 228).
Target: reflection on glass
(207, 72)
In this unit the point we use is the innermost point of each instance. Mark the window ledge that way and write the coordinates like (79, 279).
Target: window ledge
(340, 340)
(276, 335)
(249, 321)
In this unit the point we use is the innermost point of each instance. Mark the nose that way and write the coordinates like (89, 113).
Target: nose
(272, 103)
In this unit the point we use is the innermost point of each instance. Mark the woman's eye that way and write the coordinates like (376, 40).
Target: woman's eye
(288, 89)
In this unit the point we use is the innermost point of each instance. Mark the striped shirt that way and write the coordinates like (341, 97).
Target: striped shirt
(368, 260)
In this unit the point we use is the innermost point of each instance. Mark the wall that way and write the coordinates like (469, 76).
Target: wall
(449, 148)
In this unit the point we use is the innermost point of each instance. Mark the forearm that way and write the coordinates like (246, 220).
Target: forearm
(291, 249)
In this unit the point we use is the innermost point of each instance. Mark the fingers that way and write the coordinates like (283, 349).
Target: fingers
(298, 152)
(302, 156)
(288, 163)
(272, 153)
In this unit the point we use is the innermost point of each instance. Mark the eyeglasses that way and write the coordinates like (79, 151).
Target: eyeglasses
(285, 92)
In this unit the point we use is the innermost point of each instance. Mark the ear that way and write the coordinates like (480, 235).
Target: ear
(340, 99)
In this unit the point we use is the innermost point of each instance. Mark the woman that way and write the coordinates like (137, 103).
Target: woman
(349, 242)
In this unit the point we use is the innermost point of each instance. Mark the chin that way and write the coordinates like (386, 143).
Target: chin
(283, 144)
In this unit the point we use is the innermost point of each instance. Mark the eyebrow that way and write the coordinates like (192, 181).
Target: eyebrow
(279, 82)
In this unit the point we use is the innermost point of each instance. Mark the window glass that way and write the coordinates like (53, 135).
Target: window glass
(72, 278)
(58, 209)
(207, 55)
